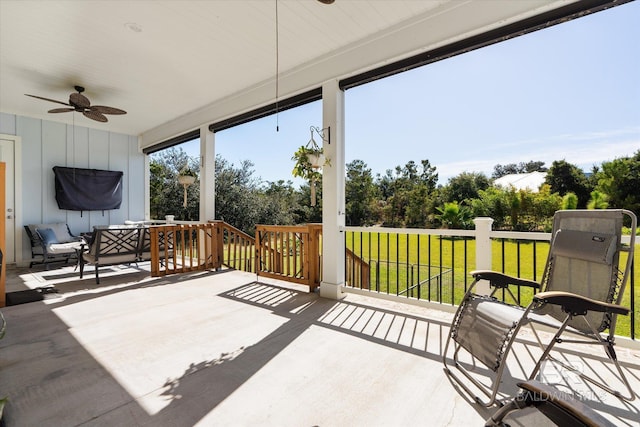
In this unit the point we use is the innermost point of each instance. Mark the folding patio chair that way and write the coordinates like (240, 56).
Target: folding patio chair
(581, 289)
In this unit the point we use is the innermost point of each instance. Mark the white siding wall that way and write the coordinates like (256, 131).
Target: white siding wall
(47, 144)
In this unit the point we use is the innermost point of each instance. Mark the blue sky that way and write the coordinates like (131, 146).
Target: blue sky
(568, 92)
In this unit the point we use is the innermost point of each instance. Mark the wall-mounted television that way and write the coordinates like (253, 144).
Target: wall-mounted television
(87, 189)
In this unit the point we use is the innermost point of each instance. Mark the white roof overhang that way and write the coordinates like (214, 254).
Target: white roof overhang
(175, 66)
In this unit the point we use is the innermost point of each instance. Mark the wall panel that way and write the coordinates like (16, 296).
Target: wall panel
(135, 181)
(77, 157)
(54, 145)
(31, 132)
(118, 161)
(7, 124)
(98, 158)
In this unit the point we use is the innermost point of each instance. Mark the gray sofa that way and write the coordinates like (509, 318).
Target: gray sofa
(117, 244)
(52, 242)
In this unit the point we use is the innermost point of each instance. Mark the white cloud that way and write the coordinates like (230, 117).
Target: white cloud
(583, 150)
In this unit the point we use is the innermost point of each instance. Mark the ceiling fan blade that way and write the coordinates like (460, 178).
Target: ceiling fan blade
(47, 99)
(78, 99)
(61, 110)
(106, 110)
(95, 115)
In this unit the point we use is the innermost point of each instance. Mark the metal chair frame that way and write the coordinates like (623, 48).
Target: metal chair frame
(574, 308)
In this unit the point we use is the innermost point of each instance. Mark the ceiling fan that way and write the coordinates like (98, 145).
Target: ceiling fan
(79, 102)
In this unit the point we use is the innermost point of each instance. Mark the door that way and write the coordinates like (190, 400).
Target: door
(3, 269)
(7, 156)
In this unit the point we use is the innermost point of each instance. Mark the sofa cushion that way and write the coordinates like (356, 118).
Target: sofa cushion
(59, 228)
(47, 235)
(50, 240)
(109, 260)
(64, 248)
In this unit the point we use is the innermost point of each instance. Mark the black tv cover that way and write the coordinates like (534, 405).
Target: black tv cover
(87, 189)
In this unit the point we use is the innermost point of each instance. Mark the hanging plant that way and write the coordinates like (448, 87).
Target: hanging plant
(187, 176)
(309, 161)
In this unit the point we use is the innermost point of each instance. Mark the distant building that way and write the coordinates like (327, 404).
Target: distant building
(522, 181)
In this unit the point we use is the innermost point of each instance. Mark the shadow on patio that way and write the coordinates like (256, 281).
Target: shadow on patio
(224, 349)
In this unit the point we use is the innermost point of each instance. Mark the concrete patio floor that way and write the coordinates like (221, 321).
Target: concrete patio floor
(226, 349)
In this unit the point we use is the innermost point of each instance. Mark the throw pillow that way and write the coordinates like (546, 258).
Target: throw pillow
(47, 235)
(62, 232)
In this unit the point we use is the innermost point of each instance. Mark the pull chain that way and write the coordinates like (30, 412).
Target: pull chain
(277, 68)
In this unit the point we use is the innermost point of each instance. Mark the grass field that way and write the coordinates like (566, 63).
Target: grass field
(398, 262)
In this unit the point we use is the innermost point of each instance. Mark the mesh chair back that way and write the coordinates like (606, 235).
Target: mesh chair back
(584, 259)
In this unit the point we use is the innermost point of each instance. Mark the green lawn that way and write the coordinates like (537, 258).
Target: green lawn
(399, 261)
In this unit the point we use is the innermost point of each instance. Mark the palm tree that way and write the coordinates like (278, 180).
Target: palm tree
(570, 201)
(453, 215)
(598, 200)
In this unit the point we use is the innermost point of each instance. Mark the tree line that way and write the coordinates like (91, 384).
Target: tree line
(406, 196)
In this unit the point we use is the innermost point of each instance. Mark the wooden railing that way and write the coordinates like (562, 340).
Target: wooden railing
(235, 248)
(291, 253)
(179, 248)
(357, 273)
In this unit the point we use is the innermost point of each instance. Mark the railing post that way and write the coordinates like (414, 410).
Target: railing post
(218, 244)
(205, 247)
(314, 255)
(258, 250)
(155, 252)
(483, 249)
(213, 242)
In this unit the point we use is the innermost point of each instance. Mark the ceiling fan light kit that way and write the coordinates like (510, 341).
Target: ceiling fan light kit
(80, 103)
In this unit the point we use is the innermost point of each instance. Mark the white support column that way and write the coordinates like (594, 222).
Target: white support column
(207, 174)
(147, 186)
(333, 178)
(483, 250)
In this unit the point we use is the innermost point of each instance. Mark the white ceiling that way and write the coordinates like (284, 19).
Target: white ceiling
(176, 65)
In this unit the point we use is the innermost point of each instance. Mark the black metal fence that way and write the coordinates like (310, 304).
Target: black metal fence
(435, 265)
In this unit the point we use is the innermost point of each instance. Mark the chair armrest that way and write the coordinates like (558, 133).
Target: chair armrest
(500, 280)
(578, 304)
